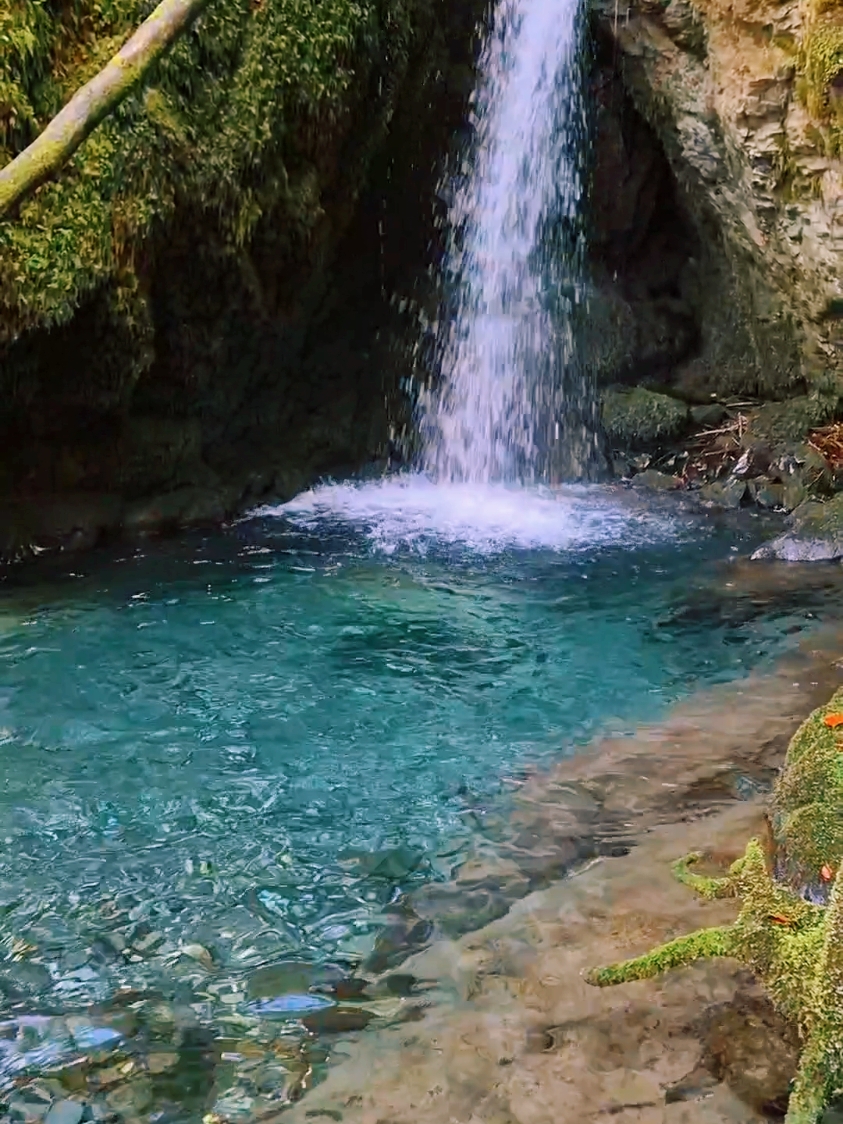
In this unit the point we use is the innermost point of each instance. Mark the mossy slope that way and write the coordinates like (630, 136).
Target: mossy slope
(233, 122)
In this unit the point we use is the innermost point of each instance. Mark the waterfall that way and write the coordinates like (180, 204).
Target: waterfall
(509, 402)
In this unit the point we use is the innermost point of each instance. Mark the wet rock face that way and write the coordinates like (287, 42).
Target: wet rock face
(741, 98)
(641, 417)
(747, 1045)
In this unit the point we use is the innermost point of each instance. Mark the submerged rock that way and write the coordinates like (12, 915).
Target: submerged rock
(132, 1098)
(338, 1020)
(96, 1039)
(290, 1006)
(161, 1061)
(393, 863)
(405, 934)
(288, 977)
(65, 1112)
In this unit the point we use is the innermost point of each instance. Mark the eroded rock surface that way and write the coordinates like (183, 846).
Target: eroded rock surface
(742, 100)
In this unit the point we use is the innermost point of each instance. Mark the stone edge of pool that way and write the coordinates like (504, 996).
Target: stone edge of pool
(513, 1033)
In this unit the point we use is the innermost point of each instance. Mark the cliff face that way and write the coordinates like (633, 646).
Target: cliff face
(195, 312)
(739, 105)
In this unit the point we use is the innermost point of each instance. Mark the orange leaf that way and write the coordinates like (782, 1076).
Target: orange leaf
(779, 919)
(826, 873)
(833, 720)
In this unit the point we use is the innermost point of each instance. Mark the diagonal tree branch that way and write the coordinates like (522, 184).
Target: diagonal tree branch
(92, 104)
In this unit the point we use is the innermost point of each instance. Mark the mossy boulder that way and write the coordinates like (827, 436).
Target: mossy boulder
(807, 804)
(789, 930)
(636, 418)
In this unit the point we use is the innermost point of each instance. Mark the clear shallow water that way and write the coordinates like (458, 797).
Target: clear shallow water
(239, 749)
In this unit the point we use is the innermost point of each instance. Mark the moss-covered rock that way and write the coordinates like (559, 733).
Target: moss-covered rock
(807, 804)
(220, 125)
(729, 494)
(635, 418)
(656, 481)
(203, 294)
(789, 931)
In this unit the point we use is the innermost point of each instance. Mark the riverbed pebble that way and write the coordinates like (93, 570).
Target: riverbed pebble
(65, 1112)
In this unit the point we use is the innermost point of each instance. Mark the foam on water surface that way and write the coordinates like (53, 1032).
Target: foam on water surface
(412, 512)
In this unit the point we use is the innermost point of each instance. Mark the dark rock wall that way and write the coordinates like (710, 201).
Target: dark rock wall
(248, 372)
(644, 251)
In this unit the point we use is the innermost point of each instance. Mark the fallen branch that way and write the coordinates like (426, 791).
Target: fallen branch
(95, 101)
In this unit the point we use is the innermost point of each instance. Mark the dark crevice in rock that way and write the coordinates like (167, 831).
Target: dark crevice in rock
(753, 333)
(643, 245)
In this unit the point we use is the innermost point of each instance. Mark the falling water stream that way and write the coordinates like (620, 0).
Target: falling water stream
(510, 403)
(233, 761)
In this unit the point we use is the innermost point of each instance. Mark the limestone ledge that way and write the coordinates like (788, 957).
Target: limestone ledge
(32, 524)
(789, 931)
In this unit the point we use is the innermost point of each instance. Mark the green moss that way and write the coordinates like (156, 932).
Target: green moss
(777, 423)
(229, 126)
(709, 888)
(792, 944)
(635, 418)
(675, 954)
(821, 59)
(808, 799)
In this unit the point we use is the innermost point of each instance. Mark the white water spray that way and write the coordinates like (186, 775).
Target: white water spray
(509, 404)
